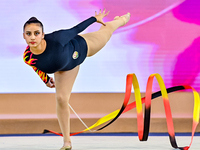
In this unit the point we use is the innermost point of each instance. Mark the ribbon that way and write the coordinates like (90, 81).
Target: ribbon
(144, 123)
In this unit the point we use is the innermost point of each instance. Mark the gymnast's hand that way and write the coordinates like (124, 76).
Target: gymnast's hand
(50, 83)
(100, 16)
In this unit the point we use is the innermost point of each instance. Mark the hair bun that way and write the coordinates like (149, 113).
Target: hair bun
(33, 19)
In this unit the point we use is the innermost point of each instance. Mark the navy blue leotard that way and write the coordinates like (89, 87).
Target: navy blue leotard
(64, 51)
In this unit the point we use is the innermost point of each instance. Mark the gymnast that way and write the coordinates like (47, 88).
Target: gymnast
(61, 52)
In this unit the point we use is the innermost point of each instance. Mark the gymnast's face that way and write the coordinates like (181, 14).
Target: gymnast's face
(33, 35)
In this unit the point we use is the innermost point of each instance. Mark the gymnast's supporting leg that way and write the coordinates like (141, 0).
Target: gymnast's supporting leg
(97, 40)
(64, 81)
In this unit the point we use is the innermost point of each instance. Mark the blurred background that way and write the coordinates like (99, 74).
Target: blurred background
(162, 36)
(166, 42)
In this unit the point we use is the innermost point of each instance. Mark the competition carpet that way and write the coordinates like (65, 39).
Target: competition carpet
(95, 142)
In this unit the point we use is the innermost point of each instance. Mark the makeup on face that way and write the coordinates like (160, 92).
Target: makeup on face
(36, 33)
(33, 34)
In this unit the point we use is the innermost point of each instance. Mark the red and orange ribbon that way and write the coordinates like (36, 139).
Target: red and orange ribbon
(144, 124)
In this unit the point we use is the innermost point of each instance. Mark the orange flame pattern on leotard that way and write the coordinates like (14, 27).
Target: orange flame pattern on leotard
(31, 62)
(41, 74)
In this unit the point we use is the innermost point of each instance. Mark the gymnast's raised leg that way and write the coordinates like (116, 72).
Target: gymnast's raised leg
(97, 40)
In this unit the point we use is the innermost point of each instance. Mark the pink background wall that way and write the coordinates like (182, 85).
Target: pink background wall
(168, 44)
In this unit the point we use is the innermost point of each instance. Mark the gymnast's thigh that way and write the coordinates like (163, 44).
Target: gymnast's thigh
(64, 81)
(95, 41)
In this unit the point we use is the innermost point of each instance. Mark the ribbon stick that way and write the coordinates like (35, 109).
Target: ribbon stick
(78, 117)
(144, 123)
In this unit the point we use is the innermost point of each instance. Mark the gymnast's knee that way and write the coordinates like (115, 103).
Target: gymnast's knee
(62, 100)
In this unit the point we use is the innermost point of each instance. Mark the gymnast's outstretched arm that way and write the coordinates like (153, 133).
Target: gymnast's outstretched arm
(64, 36)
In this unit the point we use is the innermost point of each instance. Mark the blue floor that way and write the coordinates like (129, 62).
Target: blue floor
(103, 134)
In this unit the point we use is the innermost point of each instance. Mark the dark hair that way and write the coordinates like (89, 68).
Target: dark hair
(33, 20)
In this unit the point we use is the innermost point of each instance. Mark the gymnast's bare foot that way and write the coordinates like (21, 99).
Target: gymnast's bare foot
(125, 18)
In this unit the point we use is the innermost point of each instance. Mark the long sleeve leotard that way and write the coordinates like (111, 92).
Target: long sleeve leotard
(64, 51)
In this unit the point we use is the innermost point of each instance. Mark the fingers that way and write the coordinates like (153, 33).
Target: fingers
(102, 12)
(98, 13)
(51, 83)
(53, 86)
(51, 80)
(107, 13)
(99, 16)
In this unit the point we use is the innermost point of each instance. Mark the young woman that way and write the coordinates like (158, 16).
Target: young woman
(61, 52)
